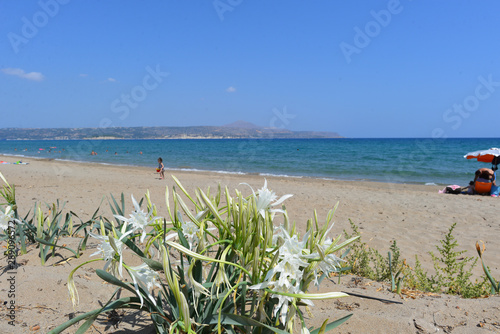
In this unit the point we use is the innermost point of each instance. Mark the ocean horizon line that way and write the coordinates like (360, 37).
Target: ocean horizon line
(242, 138)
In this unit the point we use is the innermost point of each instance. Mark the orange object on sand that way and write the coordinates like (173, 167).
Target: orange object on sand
(482, 187)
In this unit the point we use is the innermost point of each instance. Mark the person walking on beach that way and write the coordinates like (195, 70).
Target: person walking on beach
(161, 168)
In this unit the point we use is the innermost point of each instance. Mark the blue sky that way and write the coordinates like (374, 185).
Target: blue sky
(360, 68)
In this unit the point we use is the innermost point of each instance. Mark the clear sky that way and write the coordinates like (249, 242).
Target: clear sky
(360, 68)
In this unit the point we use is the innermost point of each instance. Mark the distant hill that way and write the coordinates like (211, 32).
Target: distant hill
(242, 125)
(239, 129)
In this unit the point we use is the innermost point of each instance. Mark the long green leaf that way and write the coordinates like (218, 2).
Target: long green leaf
(86, 325)
(214, 211)
(71, 322)
(197, 256)
(133, 246)
(492, 280)
(153, 264)
(186, 210)
(342, 245)
(332, 325)
(122, 302)
(98, 207)
(83, 243)
(45, 242)
(185, 192)
(239, 320)
(113, 280)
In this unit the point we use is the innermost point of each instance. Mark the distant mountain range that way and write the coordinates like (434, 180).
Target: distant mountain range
(239, 129)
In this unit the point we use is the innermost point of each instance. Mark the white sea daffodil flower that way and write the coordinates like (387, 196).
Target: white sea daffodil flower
(139, 220)
(109, 252)
(146, 278)
(265, 199)
(284, 301)
(6, 217)
(292, 245)
(190, 231)
(288, 271)
(292, 254)
(330, 262)
(197, 288)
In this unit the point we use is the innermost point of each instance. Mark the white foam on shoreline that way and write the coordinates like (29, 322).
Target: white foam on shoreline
(283, 175)
(205, 171)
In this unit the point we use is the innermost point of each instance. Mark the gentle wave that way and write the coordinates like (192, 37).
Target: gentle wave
(415, 161)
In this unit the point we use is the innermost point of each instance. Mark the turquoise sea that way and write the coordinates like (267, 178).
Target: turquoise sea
(421, 161)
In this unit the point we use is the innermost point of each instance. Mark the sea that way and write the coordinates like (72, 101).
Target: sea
(409, 160)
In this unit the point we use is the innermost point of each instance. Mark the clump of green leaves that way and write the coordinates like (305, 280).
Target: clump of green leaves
(38, 228)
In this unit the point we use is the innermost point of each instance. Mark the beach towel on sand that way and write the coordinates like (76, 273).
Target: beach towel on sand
(453, 189)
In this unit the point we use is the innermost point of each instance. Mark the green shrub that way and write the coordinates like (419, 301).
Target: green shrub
(452, 274)
(368, 262)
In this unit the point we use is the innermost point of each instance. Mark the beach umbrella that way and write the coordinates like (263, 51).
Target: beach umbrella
(492, 155)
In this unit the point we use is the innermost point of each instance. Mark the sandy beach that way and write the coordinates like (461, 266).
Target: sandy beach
(416, 216)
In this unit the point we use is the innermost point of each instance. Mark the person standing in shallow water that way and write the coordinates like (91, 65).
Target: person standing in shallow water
(161, 168)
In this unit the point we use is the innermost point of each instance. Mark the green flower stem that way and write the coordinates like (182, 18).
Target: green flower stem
(215, 212)
(168, 205)
(215, 244)
(151, 241)
(71, 283)
(312, 296)
(185, 192)
(186, 210)
(197, 256)
(495, 287)
(219, 327)
(342, 245)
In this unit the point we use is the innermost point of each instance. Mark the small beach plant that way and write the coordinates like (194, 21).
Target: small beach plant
(36, 227)
(215, 262)
(452, 270)
(368, 262)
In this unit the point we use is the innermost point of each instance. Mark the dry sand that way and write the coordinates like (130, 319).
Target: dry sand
(416, 216)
